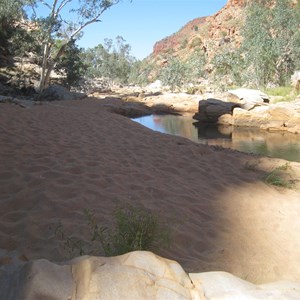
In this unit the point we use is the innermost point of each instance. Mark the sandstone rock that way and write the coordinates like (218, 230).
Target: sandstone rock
(135, 275)
(226, 119)
(172, 103)
(57, 92)
(254, 118)
(211, 110)
(249, 98)
(296, 80)
(293, 124)
(225, 286)
(275, 117)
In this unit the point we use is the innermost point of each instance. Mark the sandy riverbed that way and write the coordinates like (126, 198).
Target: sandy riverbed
(58, 159)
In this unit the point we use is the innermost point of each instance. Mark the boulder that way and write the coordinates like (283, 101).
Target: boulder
(135, 275)
(249, 98)
(57, 92)
(210, 110)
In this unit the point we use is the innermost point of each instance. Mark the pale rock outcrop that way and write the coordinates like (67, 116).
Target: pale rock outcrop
(254, 118)
(135, 275)
(225, 286)
(249, 98)
(283, 116)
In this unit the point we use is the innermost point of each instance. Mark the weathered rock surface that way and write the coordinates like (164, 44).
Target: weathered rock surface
(57, 92)
(225, 286)
(210, 110)
(248, 98)
(283, 116)
(135, 275)
(172, 102)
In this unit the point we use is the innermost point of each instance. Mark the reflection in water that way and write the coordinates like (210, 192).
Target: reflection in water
(275, 144)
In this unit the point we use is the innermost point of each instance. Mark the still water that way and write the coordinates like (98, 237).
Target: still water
(275, 144)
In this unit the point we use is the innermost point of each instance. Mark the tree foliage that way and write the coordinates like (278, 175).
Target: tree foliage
(13, 38)
(196, 65)
(271, 42)
(71, 65)
(59, 25)
(228, 64)
(112, 60)
(174, 73)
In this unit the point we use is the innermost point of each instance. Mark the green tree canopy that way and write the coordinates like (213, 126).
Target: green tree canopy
(64, 21)
(271, 41)
(112, 60)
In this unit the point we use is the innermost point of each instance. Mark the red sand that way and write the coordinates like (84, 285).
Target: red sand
(59, 158)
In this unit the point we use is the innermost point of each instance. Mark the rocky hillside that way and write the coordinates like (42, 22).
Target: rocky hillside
(207, 33)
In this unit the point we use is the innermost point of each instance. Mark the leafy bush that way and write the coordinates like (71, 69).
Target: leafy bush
(135, 228)
(276, 177)
(71, 65)
(196, 42)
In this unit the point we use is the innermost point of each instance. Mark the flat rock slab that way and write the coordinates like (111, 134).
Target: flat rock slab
(249, 98)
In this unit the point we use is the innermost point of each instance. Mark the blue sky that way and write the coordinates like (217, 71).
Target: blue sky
(143, 22)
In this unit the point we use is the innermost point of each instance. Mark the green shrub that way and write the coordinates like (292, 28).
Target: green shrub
(278, 178)
(135, 229)
(196, 42)
(183, 44)
(192, 90)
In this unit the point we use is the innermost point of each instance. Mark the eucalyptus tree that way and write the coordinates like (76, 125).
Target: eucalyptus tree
(12, 36)
(271, 41)
(72, 65)
(174, 74)
(63, 24)
(112, 60)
